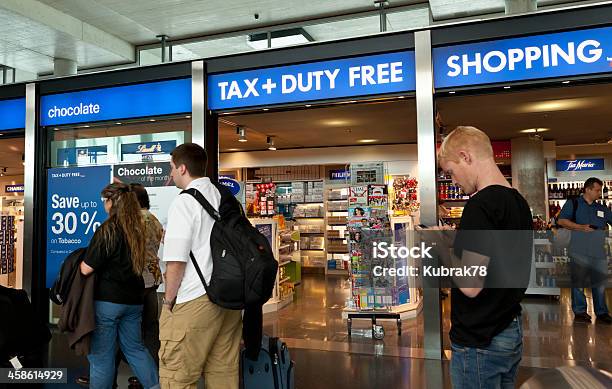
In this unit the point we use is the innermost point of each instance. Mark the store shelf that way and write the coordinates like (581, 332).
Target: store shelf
(337, 252)
(285, 246)
(312, 249)
(337, 272)
(336, 237)
(336, 224)
(308, 217)
(545, 265)
(312, 233)
(284, 280)
(454, 200)
(284, 263)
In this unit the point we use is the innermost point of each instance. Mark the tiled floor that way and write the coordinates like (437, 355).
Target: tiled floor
(326, 358)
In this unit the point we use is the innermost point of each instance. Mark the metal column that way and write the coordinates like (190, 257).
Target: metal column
(198, 109)
(29, 187)
(426, 138)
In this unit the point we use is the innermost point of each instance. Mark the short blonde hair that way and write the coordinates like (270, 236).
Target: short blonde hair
(465, 138)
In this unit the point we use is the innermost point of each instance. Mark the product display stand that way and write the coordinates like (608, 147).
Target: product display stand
(547, 266)
(336, 211)
(374, 296)
(269, 228)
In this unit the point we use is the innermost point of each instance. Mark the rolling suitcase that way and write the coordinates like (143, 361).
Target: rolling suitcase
(273, 369)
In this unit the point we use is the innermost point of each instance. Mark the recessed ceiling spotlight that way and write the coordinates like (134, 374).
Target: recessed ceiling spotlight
(151, 120)
(401, 97)
(506, 87)
(266, 109)
(56, 129)
(241, 134)
(452, 92)
(534, 130)
(187, 116)
(367, 140)
(565, 82)
(353, 101)
(233, 149)
(86, 126)
(308, 105)
(118, 123)
(270, 142)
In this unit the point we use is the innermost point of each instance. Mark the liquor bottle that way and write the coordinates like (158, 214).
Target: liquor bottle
(555, 191)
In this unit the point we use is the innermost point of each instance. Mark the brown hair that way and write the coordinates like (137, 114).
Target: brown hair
(141, 195)
(193, 156)
(125, 218)
(465, 138)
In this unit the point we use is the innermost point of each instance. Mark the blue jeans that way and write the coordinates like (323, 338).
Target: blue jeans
(588, 272)
(119, 322)
(579, 302)
(494, 366)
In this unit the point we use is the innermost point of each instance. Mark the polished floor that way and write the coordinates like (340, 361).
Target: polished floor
(326, 357)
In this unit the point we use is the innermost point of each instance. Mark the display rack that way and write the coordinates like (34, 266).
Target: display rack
(336, 212)
(282, 294)
(376, 297)
(548, 267)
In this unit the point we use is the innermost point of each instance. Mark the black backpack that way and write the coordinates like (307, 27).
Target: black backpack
(244, 267)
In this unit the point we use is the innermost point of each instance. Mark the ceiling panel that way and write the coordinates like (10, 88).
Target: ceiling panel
(450, 9)
(346, 124)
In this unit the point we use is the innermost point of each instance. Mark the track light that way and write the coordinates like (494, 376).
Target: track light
(241, 134)
(270, 142)
(3, 172)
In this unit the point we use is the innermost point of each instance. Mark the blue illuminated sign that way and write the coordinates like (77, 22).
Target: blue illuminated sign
(14, 188)
(575, 165)
(540, 56)
(358, 76)
(12, 114)
(122, 102)
(339, 174)
(232, 185)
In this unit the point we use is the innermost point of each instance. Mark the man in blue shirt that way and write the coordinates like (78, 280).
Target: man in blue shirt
(587, 252)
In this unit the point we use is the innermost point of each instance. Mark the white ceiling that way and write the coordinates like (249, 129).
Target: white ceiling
(101, 33)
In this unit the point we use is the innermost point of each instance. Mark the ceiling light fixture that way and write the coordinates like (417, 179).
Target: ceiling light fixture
(56, 129)
(86, 126)
(565, 82)
(308, 105)
(367, 140)
(534, 130)
(118, 123)
(266, 109)
(151, 120)
(281, 38)
(3, 172)
(452, 92)
(270, 142)
(233, 149)
(506, 87)
(401, 97)
(241, 132)
(188, 117)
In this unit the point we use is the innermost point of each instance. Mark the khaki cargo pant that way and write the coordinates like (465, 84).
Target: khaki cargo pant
(199, 338)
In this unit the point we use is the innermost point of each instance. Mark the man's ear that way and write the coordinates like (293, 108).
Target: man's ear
(465, 157)
(182, 169)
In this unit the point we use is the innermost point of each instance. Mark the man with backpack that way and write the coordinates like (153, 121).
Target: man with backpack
(588, 222)
(197, 336)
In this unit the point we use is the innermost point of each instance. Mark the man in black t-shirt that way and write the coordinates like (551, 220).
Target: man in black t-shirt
(494, 232)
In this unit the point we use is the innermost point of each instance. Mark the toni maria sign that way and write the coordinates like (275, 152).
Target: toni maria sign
(575, 165)
(526, 58)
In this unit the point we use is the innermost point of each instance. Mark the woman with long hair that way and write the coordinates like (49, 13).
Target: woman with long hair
(116, 255)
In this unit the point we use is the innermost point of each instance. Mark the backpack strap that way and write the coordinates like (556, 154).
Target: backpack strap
(204, 203)
(214, 214)
(574, 208)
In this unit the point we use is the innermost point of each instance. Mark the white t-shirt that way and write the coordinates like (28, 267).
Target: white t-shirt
(188, 229)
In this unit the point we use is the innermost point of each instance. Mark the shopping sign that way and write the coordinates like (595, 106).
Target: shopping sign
(74, 211)
(122, 102)
(357, 76)
(12, 114)
(575, 165)
(532, 57)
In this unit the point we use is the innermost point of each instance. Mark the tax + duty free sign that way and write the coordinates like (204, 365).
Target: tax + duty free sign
(561, 54)
(349, 77)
